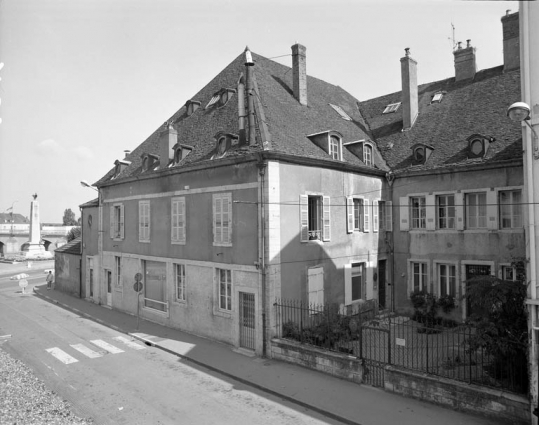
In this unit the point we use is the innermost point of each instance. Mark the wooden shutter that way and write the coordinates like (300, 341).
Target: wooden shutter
(349, 214)
(181, 214)
(227, 216)
(347, 284)
(174, 220)
(366, 216)
(389, 216)
(404, 214)
(492, 209)
(326, 221)
(217, 227)
(122, 221)
(459, 210)
(304, 217)
(375, 224)
(112, 215)
(430, 212)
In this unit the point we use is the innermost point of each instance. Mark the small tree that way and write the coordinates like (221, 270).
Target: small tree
(74, 233)
(69, 218)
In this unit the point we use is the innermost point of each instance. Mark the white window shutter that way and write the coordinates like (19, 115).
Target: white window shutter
(459, 210)
(375, 225)
(112, 214)
(217, 228)
(227, 210)
(148, 219)
(492, 209)
(304, 217)
(326, 219)
(430, 212)
(389, 216)
(122, 222)
(404, 213)
(181, 212)
(349, 214)
(366, 216)
(173, 212)
(347, 284)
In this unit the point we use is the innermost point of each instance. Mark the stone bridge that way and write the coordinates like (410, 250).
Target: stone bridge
(13, 237)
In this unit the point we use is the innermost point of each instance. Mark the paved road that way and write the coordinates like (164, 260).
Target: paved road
(115, 380)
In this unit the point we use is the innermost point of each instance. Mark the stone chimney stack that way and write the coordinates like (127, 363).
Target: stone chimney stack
(167, 139)
(299, 73)
(511, 46)
(465, 65)
(409, 101)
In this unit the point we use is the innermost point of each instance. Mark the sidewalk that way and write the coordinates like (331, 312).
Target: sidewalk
(332, 397)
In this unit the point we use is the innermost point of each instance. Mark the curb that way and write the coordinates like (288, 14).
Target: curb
(205, 365)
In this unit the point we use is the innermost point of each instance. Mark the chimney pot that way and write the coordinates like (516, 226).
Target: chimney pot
(409, 101)
(465, 66)
(468, 43)
(299, 73)
(167, 139)
(511, 43)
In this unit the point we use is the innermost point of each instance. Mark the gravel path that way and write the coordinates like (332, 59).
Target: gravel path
(24, 399)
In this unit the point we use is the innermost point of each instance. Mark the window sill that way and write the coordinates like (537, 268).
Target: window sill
(177, 242)
(222, 244)
(155, 311)
(227, 314)
(181, 303)
(144, 241)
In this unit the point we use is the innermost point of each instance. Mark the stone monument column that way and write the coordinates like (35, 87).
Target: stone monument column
(35, 248)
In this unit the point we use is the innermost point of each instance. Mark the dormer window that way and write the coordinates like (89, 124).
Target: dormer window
(191, 106)
(363, 149)
(149, 161)
(223, 144)
(119, 166)
(212, 101)
(478, 145)
(392, 107)
(330, 142)
(367, 154)
(335, 147)
(341, 112)
(180, 152)
(421, 153)
(221, 97)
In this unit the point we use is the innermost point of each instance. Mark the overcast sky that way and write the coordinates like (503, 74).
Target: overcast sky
(84, 80)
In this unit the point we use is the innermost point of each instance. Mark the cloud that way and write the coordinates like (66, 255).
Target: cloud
(83, 153)
(50, 147)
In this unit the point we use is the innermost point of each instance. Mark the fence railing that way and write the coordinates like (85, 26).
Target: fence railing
(451, 352)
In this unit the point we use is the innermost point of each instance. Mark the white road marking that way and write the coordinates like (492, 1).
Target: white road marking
(106, 346)
(61, 355)
(129, 343)
(86, 351)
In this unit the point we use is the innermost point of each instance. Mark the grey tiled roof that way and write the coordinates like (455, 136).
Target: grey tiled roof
(73, 247)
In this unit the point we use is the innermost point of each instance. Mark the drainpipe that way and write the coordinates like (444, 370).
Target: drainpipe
(249, 64)
(262, 264)
(81, 251)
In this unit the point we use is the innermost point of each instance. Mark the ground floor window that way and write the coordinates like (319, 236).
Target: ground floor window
(155, 279)
(224, 279)
(315, 287)
(179, 279)
(419, 276)
(447, 279)
(358, 279)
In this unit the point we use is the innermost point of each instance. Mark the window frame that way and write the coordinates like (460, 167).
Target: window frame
(228, 296)
(368, 154)
(178, 228)
(451, 266)
(117, 221)
(513, 205)
(335, 149)
(218, 214)
(447, 212)
(423, 283)
(147, 303)
(118, 270)
(180, 285)
(419, 222)
(323, 218)
(144, 221)
(478, 205)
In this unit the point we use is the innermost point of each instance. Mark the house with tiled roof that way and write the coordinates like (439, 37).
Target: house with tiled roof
(456, 173)
(67, 267)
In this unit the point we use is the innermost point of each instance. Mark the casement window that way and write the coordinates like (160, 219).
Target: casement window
(177, 225)
(315, 221)
(335, 147)
(179, 282)
(155, 281)
(476, 210)
(316, 286)
(354, 282)
(509, 273)
(144, 221)
(224, 281)
(222, 219)
(445, 211)
(384, 219)
(419, 276)
(117, 221)
(418, 212)
(358, 214)
(392, 107)
(510, 202)
(118, 267)
(447, 280)
(367, 154)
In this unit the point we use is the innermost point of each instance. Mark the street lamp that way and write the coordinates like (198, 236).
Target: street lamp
(520, 111)
(84, 183)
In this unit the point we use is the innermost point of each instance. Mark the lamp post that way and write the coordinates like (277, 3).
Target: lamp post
(84, 183)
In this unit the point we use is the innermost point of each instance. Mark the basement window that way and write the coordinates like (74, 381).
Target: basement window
(391, 108)
(341, 112)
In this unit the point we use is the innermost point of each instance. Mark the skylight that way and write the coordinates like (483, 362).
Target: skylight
(391, 108)
(341, 112)
(437, 98)
(214, 99)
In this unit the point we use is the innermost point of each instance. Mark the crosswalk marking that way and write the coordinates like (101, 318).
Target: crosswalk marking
(129, 343)
(61, 355)
(106, 346)
(88, 352)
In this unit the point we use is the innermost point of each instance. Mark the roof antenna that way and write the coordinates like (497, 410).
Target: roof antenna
(452, 38)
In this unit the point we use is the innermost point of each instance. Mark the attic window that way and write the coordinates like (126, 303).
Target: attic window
(191, 106)
(341, 112)
(335, 148)
(478, 145)
(180, 152)
(149, 161)
(367, 154)
(119, 166)
(221, 97)
(223, 144)
(392, 107)
(437, 98)
(214, 99)
(421, 153)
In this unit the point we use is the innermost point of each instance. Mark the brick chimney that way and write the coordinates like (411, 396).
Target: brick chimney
(409, 90)
(167, 139)
(465, 66)
(511, 46)
(299, 73)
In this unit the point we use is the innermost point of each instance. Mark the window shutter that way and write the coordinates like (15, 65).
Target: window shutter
(148, 220)
(122, 231)
(366, 216)
(349, 214)
(492, 209)
(217, 227)
(347, 284)
(173, 212)
(112, 211)
(389, 216)
(375, 225)
(326, 219)
(459, 210)
(430, 212)
(227, 217)
(181, 214)
(404, 213)
(304, 217)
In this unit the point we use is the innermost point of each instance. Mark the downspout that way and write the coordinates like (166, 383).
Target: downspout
(249, 64)
(81, 251)
(262, 263)
(390, 179)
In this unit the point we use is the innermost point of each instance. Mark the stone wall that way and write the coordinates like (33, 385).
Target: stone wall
(340, 365)
(492, 403)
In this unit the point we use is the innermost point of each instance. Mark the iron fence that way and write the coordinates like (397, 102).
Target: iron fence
(455, 351)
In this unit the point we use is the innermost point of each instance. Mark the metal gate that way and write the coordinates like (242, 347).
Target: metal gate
(375, 343)
(247, 321)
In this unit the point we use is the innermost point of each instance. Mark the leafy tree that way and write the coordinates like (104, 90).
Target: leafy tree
(499, 315)
(69, 218)
(74, 233)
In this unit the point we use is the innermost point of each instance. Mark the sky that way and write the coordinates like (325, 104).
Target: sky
(84, 80)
